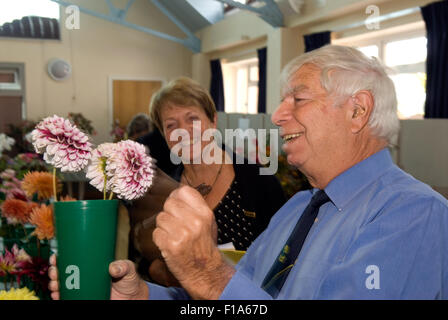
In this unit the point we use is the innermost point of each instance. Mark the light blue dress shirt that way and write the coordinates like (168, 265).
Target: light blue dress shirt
(384, 235)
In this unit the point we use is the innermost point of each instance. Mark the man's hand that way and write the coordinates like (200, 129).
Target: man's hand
(126, 284)
(186, 235)
(159, 273)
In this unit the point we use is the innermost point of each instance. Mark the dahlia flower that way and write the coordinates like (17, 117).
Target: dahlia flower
(5, 143)
(67, 198)
(64, 146)
(13, 261)
(96, 171)
(130, 170)
(17, 211)
(42, 218)
(18, 294)
(39, 182)
(11, 186)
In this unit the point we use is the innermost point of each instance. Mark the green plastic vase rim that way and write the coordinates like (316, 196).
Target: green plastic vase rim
(87, 203)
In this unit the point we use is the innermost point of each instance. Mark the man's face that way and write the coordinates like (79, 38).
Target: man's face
(314, 130)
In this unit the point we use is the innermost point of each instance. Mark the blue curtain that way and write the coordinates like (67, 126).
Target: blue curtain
(317, 40)
(435, 17)
(262, 79)
(217, 84)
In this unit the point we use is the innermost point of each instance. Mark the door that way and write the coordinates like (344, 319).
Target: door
(131, 97)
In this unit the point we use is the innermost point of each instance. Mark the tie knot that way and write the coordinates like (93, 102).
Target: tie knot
(319, 199)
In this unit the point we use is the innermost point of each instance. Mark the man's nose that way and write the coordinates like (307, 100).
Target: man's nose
(281, 114)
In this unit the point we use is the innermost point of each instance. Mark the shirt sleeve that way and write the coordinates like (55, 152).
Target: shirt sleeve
(241, 287)
(157, 292)
(400, 254)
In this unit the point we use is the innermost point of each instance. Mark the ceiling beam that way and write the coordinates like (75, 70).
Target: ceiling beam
(118, 16)
(269, 12)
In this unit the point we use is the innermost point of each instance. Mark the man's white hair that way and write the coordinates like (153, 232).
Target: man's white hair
(346, 71)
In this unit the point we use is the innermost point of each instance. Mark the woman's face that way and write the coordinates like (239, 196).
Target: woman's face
(184, 127)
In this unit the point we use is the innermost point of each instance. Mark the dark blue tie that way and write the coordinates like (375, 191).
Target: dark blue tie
(276, 277)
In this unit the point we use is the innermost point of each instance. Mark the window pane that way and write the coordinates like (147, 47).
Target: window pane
(241, 90)
(253, 73)
(411, 94)
(252, 100)
(370, 51)
(11, 10)
(407, 51)
(7, 77)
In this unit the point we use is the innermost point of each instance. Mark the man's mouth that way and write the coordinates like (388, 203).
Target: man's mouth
(289, 137)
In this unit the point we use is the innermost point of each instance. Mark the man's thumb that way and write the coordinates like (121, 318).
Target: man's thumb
(122, 268)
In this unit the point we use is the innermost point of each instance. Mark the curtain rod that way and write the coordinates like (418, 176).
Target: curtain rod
(381, 18)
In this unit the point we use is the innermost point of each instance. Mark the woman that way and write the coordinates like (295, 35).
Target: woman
(243, 201)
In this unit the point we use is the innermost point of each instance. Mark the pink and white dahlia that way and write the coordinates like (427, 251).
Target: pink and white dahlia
(130, 170)
(64, 146)
(96, 170)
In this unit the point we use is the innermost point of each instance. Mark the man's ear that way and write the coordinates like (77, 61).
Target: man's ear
(361, 110)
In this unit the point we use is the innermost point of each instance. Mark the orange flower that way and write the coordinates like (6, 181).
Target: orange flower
(16, 211)
(42, 218)
(67, 198)
(40, 182)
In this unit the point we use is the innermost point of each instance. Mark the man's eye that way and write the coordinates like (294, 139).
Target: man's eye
(298, 100)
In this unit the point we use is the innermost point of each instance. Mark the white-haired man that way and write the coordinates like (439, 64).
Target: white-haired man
(373, 231)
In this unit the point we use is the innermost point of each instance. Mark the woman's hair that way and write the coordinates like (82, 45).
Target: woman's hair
(139, 124)
(181, 92)
(345, 71)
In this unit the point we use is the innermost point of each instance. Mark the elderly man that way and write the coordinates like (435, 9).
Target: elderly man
(367, 230)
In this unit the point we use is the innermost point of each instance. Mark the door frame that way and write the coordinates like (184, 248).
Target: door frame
(111, 79)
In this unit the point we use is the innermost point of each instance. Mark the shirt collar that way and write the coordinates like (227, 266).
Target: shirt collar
(342, 189)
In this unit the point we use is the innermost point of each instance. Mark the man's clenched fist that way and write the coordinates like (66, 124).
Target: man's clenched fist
(186, 235)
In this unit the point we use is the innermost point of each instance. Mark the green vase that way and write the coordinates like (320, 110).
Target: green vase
(85, 234)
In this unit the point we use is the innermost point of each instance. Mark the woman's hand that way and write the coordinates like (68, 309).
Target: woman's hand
(126, 284)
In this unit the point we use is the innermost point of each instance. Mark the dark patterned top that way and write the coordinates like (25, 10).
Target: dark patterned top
(235, 224)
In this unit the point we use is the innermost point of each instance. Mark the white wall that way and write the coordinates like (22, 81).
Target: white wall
(97, 50)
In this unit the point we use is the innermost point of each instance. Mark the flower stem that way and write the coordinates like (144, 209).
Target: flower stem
(111, 195)
(104, 189)
(54, 185)
(38, 246)
(24, 231)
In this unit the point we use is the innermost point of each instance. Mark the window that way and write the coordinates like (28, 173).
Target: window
(29, 19)
(405, 54)
(12, 94)
(241, 86)
(228, 7)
